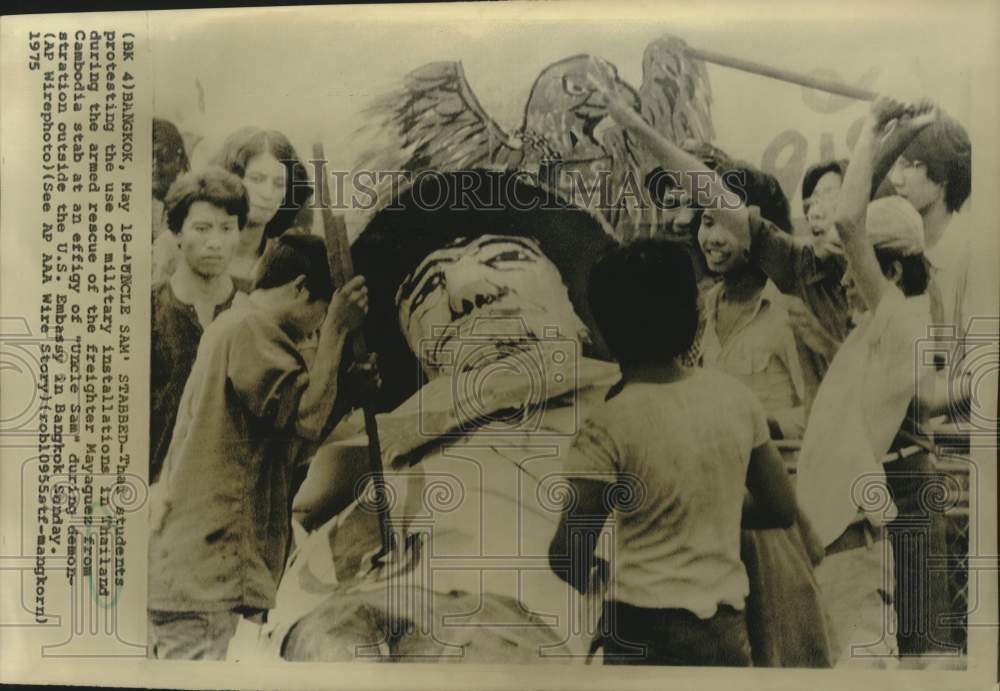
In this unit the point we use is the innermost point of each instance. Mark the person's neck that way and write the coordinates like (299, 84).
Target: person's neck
(191, 287)
(743, 284)
(250, 240)
(936, 218)
(654, 372)
(274, 304)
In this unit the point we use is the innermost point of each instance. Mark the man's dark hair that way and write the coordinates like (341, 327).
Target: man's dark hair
(293, 255)
(169, 157)
(753, 185)
(213, 185)
(944, 147)
(762, 190)
(915, 271)
(814, 173)
(644, 300)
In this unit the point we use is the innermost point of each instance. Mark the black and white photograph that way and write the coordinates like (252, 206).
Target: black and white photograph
(545, 334)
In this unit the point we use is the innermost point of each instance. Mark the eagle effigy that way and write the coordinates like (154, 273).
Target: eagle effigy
(567, 139)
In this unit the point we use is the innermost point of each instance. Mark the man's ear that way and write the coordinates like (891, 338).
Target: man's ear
(943, 186)
(299, 283)
(894, 272)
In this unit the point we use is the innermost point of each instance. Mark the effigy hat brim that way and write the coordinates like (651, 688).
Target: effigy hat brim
(440, 208)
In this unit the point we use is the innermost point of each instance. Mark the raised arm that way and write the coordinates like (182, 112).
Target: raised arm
(346, 312)
(702, 184)
(850, 216)
(895, 142)
(856, 193)
(787, 261)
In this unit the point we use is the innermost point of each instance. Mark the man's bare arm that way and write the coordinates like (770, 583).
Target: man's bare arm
(771, 500)
(571, 552)
(346, 312)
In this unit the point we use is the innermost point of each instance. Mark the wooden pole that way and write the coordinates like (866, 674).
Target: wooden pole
(342, 269)
(829, 85)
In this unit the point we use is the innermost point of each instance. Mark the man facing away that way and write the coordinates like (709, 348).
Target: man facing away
(221, 511)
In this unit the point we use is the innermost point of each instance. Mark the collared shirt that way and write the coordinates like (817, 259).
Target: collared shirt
(761, 352)
(682, 450)
(176, 332)
(857, 412)
(221, 511)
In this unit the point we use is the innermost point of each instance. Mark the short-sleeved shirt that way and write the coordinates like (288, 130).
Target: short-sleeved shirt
(176, 332)
(762, 353)
(857, 413)
(221, 512)
(794, 267)
(683, 449)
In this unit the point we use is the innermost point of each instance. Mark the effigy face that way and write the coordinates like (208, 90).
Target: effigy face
(475, 302)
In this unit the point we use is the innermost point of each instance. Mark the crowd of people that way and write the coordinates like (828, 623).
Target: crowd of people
(730, 345)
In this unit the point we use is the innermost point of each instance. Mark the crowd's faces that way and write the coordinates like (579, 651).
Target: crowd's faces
(265, 182)
(725, 248)
(911, 182)
(208, 239)
(821, 206)
(488, 295)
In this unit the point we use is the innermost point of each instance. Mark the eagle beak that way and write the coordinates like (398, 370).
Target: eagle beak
(613, 89)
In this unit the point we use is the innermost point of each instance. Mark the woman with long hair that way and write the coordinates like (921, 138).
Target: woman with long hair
(277, 183)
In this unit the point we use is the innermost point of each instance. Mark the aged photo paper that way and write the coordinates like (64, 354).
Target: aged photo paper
(532, 338)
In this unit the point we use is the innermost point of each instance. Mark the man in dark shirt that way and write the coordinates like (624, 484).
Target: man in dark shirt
(205, 213)
(220, 519)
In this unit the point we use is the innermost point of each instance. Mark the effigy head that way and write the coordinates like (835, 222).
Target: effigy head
(473, 255)
(476, 300)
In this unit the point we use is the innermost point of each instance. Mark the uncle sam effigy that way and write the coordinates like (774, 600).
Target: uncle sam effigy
(478, 316)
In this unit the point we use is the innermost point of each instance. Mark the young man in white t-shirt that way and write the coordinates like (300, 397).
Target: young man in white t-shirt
(671, 453)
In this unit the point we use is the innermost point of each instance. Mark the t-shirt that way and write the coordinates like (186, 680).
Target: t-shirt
(221, 511)
(176, 333)
(681, 451)
(857, 413)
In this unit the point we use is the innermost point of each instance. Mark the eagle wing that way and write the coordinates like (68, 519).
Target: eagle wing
(434, 122)
(675, 92)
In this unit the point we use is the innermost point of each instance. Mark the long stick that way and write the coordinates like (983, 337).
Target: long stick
(828, 85)
(342, 269)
